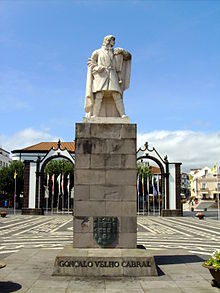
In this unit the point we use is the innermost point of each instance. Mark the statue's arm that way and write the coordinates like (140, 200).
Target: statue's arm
(93, 61)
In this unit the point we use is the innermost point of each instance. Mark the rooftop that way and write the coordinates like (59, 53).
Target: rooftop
(155, 170)
(46, 146)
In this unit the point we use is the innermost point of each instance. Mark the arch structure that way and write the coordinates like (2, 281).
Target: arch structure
(170, 178)
(35, 159)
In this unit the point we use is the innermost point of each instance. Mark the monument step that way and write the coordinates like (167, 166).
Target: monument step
(104, 262)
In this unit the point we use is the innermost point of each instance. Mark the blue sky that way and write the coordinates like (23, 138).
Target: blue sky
(174, 94)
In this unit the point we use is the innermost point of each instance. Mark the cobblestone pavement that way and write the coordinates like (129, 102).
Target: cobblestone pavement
(29, 245)
(196, 236)
(30, 271)
(200, 237)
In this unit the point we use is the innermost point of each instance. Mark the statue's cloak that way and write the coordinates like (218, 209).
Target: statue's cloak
(123, 65)
(89, 100)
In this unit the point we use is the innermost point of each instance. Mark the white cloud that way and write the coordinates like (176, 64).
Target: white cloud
(25, 138)
(193, 149)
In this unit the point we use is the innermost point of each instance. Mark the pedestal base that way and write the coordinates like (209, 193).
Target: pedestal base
(104, 262)
(107, 120)
(29, 211)
(172, 213)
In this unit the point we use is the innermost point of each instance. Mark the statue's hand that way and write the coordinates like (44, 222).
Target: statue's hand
(98, 69)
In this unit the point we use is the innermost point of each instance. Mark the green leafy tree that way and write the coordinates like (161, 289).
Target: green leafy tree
(56, 167)
(59, 166)
(7, 181)
(68, 168)
(143, 170)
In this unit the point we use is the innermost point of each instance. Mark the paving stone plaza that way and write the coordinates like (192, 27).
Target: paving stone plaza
(29, 245)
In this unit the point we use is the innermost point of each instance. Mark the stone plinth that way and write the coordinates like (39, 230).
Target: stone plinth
(107, 120)
(105, 182)
(104, 262)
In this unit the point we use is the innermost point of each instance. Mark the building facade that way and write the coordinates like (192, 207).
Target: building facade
(205, 185)
(5, 160)
(185, 186)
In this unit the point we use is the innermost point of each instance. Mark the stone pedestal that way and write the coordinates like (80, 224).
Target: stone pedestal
(105, 182)
(105, 206)
(104, 262)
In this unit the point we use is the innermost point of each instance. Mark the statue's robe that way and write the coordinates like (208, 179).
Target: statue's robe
(107, 80)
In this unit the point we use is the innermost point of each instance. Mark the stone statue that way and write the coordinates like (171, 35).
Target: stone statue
(108, 75)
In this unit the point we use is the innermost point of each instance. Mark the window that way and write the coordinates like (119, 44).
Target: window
(218, 185)
(203, 185)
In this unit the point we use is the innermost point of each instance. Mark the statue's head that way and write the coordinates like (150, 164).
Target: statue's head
(109, 41)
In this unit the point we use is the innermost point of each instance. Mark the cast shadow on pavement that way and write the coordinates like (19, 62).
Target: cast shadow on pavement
(175, 259)
(8, 286)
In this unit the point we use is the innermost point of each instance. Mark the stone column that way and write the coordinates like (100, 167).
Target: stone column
(37, 183)
(178, 186)
(29, 203)
(105, 183)
(26, 184)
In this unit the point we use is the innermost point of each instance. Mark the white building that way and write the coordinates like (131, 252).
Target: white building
(205, 184)
(4, 158)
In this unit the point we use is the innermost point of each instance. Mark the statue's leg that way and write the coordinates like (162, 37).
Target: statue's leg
(119, 103)
(97, 104)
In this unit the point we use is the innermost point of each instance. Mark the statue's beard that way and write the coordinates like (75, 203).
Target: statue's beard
(109, 46)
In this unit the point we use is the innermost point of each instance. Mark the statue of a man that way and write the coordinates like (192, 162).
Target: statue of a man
(108, 75)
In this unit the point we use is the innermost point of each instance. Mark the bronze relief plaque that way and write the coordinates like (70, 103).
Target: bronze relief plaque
(105, 230)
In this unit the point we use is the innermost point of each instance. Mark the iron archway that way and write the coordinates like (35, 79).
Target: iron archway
(41, 164)
(151, 154)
